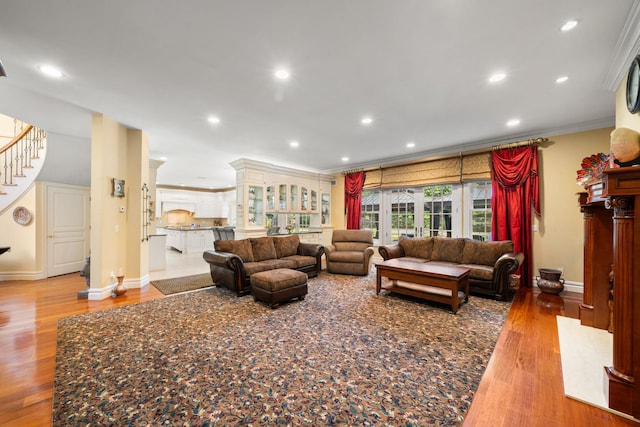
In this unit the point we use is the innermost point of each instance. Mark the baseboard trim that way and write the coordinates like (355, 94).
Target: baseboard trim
(138, 282)
(97, 294)
(22, 275)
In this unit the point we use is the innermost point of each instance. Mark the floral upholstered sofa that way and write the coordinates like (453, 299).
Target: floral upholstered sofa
(234, 261)
(490, 263)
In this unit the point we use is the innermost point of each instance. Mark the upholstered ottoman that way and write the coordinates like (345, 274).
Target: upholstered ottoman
(276, 286)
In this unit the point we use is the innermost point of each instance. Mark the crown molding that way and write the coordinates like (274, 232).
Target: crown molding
(478, 146)
(626, 49)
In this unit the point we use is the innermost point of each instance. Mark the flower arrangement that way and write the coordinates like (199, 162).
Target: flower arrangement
(289, 228)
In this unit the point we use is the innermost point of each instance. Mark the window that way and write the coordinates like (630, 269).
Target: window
(447, 210)
(481, 210)
(370, 216)
(437, 210)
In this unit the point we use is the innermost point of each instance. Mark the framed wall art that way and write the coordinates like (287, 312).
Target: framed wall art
(118, 187)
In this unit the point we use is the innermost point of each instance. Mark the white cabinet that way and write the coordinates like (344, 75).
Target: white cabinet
(190, 241)
(268, 195)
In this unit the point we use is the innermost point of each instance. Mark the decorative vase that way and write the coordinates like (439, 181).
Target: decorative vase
(120, 289)
(550, 282)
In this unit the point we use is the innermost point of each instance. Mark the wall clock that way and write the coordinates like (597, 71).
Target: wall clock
(118, 187)
(633, 86)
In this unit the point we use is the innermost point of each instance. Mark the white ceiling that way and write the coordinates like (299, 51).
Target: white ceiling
(418, 67)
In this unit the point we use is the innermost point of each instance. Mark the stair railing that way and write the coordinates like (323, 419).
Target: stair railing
(19, 153)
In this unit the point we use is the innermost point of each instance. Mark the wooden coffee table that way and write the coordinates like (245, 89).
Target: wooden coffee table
(445, 284)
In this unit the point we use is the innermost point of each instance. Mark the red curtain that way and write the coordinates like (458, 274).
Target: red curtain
(514, 183)
(353, 184)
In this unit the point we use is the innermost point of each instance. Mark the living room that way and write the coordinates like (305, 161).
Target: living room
(557, 236)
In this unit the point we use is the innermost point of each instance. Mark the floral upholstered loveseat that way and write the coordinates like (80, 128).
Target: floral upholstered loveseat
(234, 261)
(490, 263)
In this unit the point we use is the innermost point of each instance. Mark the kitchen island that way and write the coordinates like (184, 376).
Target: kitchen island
(189, 240)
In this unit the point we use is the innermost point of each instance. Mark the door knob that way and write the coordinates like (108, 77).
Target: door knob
(51, 235)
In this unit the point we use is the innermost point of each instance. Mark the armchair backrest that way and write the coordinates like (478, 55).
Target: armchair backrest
(352, 240)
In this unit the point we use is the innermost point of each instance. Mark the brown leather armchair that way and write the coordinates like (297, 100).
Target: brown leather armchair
(350, 252)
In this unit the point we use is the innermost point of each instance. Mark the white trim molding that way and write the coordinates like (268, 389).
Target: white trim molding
(626, 49)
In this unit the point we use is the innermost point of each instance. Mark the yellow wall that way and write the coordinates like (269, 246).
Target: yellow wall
(338, 218)
(116, 244)
(23, 261)
(624, 119)
(558, 243)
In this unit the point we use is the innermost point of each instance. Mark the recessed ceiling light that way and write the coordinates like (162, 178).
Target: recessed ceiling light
(294, 144)
(50, 71)
(562, 79)
(366, 120)
(181, 185)
(214, 120)
(282, 74)
(497, 77)
(513, 122)
(411, 144)
(345, 159)
(164, 159)
(569, 25)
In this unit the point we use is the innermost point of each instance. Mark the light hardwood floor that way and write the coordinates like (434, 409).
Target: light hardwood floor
(522, 385)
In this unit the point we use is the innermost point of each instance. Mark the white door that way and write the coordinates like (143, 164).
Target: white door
(67, 228)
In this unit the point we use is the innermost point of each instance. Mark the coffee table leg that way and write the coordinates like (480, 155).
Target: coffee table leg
(378, 281)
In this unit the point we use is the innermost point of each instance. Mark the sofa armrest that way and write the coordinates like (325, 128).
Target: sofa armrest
(391, 251)
(310, 249)
(504, 266)
(329, 248)
(224, 260)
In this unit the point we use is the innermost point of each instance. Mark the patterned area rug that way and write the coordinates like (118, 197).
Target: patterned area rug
(343, 356)
(183, 284)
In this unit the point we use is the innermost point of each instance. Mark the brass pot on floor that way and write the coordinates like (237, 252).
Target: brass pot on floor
(549, 281)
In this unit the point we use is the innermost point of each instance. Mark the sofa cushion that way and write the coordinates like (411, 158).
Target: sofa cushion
(279, 263)
(485, 253)
(479, 272)
(286, 246)
(347, 256)
(256, 267)
(351, 246)
(263, 248)
(242, 248)
(447, 249)
(300, 260)
(417, 247)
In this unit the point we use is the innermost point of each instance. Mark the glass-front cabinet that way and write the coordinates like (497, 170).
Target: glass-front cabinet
(304, 199)
(275, 200)
(293, 191)
(255, 208)
(326, 211)
(282, 197)
(271, 201)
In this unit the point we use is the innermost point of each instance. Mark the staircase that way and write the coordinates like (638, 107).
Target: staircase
(21, 160)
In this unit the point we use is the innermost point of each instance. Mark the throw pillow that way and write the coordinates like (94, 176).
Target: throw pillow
(263, 248)
(286, 246)
(242, 248)
(447, 249)
(417, 247)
